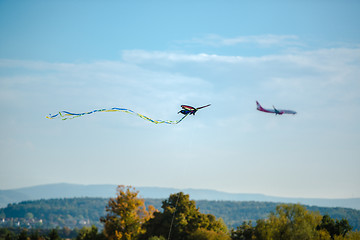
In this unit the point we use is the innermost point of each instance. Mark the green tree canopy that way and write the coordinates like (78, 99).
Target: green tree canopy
(180, 219)
(54, 235)
(23, 235)
(334, 227)
(243, 232)
(90, 233)
(290, 221)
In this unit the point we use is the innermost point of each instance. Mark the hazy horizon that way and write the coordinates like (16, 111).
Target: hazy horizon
(138, 188)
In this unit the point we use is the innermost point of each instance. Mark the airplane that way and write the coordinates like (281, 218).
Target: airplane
(276, 111)
(190, 110)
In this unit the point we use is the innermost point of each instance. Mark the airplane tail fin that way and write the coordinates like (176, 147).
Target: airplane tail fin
(258, 106)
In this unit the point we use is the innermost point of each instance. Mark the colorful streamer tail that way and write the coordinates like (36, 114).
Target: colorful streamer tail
(64, 115)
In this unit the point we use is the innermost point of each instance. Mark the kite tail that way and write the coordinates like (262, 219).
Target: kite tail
(64, 115)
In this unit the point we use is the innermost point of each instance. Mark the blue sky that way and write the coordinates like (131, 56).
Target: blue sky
(153, 56)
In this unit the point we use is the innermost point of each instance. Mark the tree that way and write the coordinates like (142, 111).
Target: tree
(6, 234)
(244, 232)
(35, 235)
(334, 227)
(290, 221)
(29, 215)
(87, 233)
(54, 235)
(23, 235)
(157, 238)
(349, 236)
(180, 219)
(125, 214)
(203, 234)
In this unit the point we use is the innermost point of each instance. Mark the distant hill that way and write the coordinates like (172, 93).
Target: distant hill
(79, 212)
(64, 190)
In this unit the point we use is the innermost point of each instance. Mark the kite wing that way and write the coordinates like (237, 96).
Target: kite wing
(64, 115)
(203, 107)
(189, 108)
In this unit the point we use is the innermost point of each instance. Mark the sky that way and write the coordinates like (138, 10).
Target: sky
(153, 56)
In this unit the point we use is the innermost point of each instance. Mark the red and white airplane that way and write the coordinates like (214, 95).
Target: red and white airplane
(276, 111)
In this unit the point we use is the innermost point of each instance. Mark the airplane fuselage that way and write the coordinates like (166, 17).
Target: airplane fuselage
(275, 111)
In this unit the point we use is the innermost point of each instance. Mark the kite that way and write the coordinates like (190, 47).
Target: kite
(276, 111)
(190, 110)
(64, 115)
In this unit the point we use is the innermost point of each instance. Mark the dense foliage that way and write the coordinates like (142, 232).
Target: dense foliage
(125, 215)
(80, 212)
(38, 233)
(293, 222)
(53, 213)
(181, 220)
(235, 213)
(128, 217)
(334, 227)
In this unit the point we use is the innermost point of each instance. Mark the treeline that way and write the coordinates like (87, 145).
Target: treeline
(41, 234)
(79, 212)
(54, 213)
(235, 213)
(127, 217)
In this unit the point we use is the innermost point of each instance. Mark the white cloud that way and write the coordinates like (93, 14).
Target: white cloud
(323, 59)
(83, 86)
(299, 71)
(307, 81)
(266, 40)
(138, 56)
(162, 79)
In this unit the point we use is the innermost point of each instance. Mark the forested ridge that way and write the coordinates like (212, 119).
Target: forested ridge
(127, 216)
(79, 212)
